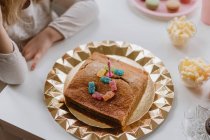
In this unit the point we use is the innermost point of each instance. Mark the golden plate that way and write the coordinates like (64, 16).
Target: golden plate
(163, 86)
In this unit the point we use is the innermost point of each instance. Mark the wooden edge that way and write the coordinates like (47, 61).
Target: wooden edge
(11, 132)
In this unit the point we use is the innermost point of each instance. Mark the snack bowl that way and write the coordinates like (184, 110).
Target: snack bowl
(194, 72)
(192, 84)
(180, 31)
(178, 41)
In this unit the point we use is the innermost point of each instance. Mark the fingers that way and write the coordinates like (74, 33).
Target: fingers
(29, 51)
(25, 50)
(35, 60)
(29, 56)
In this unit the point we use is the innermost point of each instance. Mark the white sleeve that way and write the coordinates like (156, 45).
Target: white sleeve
(76, 17)
(13, 67)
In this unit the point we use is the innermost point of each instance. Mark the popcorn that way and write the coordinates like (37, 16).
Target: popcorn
(194, 71)
(113, 85)
(105, 79)
(101, 73)
(118, 72)
(180, 31)
(109, 95)
(91, 87)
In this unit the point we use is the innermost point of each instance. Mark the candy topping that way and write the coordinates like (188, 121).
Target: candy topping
(91, 87)
(105, 75)
(101, 73)
(108, 95)
(106, 68)
(98, 96)
(113, 85)
(105, 80)
(119, 72)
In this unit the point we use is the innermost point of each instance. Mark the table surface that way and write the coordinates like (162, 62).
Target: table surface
(24, 106)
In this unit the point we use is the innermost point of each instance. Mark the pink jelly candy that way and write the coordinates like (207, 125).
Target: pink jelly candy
(98, 96)
(111, 74)
(113, 85)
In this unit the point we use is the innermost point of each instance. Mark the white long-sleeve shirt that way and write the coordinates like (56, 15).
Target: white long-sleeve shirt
(74, 16)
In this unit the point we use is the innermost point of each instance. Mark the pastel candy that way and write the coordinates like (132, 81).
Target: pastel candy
(152, 4)
(109, 75)
(98, 96)
(109, 95)
(101, 73)
(105, 79)
(113, 85)
(119, 72)
(91, 87)
(106, 68)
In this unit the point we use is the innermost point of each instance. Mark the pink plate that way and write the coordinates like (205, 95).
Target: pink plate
(162, 12)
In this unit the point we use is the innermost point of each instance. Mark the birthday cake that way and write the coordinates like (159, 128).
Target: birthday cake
(106, 89)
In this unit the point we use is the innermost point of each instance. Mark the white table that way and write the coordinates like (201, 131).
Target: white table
(24, 107)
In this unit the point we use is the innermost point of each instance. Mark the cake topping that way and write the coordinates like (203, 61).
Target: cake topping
(113, 85)
(194, 71)
(91, 87)
(105, 75)
(108, 95)
(98, 96)
(105, 79)
(101, 73)
(106, 68)
(119, 72)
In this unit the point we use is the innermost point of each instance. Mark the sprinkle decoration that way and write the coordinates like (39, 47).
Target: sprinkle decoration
(98, 96)
(105, 79)
(105, 75)
(101, 73)
(113, 85)
(91, 87)
(106, 68)
(119, 72)
(108, 95)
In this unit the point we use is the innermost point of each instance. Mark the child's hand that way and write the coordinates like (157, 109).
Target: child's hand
(38, 46)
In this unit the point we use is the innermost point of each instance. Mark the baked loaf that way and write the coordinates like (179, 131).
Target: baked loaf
(116, 111)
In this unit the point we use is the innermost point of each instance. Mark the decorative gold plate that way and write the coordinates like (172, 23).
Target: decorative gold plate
(163, 86)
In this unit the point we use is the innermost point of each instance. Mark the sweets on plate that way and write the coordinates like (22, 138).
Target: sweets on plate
(108, 99)
(180, 31)
(152, 4)
(194, 72)
(185, 1)
(172, 6)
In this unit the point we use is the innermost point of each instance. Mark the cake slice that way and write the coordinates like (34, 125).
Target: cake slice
(116, 111)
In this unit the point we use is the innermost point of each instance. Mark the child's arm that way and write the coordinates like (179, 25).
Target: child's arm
(6, 44)
(39, 45)
(13, 66)
(76, 16)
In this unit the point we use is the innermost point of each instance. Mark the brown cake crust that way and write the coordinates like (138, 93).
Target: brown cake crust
(131, 87)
